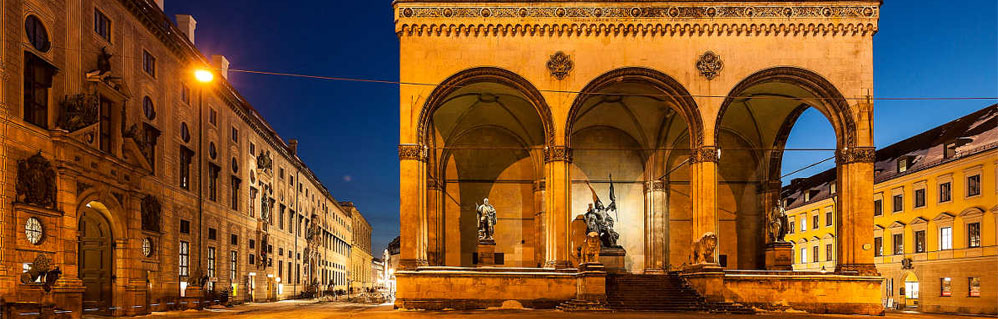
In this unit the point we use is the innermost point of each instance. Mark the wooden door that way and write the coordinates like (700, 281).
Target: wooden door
(95, 261)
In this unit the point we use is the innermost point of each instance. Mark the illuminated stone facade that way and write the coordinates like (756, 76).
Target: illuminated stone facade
(935, 208)
(684, 105)
(155, 177)
(361, 271)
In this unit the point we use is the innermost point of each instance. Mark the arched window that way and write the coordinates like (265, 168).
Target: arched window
(148, 109)
(185, 133)
(37, 36)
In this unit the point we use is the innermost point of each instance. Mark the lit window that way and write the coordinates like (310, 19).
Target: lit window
(974, 235)
(974, 286)
(945, 238)
(898, 244)
(945, 287)
(973, 185)
(184, 260)
(920, 241)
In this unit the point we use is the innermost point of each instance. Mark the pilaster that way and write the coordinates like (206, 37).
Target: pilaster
(412, 183)
(559, 200)
(854, 210)
(703, 162)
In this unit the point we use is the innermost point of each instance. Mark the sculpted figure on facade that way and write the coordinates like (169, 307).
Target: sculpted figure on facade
(36, 181)
(78, 111)
(778, 223)
(151, 209)
(703, 249)
(486, 220)
(264, 161)
(598, 217)
(42, 266)
(591, 248)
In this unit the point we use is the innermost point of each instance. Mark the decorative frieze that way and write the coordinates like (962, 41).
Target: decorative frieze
(856, 155)
(755, 28)
(646, 12)
(557, 154)
(704, 154)
(413, 152)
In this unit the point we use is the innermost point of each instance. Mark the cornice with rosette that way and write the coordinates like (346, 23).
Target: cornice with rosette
(862, 154)
(412, 152)
(557, 154)
(664, 18)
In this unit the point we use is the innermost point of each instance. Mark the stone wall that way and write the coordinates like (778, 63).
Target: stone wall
(470, 288)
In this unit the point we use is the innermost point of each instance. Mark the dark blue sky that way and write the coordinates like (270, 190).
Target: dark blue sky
(349, 131)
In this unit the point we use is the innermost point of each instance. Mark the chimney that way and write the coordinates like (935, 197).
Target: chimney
(187, 24)
(221, 64)
(293, 146)
(159, 3)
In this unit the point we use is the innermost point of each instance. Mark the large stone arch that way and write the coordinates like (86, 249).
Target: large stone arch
(827, 99)
(483, 75)
(669, 87)
(114, 211)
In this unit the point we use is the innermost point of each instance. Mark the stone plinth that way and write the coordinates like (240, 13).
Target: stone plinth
(613, 259)
(779, 256)
(486, 252)
(442, 287)
(192, 297)
(591, 283)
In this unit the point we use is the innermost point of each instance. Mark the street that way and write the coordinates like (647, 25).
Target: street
(311, 309)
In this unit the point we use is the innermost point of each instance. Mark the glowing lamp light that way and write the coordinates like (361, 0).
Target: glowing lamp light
(204, 76)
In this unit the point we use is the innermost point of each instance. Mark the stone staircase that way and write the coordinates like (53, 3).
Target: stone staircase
(661, 293)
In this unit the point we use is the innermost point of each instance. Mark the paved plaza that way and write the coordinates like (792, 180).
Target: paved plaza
(310, 309)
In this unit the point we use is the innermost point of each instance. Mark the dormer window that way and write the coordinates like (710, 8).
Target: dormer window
(904, 163)
(949, 151)
(807, 196)
(831, 188)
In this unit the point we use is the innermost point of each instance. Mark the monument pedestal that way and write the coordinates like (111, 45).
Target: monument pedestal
(192, 297)
(612, 259)
(486, 252)
(779, 256)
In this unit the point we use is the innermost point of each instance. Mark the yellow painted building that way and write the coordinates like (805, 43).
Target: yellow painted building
(935, 208)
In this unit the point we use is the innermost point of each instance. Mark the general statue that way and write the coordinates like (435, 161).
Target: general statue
(778, 224)
(486, 220)
(598, 218)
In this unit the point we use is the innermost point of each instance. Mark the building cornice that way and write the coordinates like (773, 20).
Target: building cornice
(662, 18)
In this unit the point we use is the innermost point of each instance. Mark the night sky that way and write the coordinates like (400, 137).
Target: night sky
(348, 131)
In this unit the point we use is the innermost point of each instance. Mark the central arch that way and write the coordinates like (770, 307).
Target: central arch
(635, 127)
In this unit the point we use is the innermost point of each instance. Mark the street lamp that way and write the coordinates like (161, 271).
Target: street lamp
(205, 77)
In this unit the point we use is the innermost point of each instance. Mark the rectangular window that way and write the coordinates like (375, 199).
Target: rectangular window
(252, 259)
(898, 244)
(814, 255)
(151, 135)
(252, 203)
(945, 288)
(828, 219)
(803, 255)
(37, 82)
(814, 221)
(945, 238)
(233, 265)
(183, 262)
(828, 252)
(212, 117)
(944, 192)
(974, 286)
(878, 207)
(803, 222)
(252, 149)
(898, 202)
(973, 185)
(234, 193)
(185, 93)
(920, 197)
(102, 25)
(974, 235)
(235, 135)
(148, 63)
(878, 246)
(233, 239)
(185, 227)
(280, 217)
(212, 234)
(106, 127)
(213, 171)
(186, 155)
(920, 241)
(211, 262)
(252, 243)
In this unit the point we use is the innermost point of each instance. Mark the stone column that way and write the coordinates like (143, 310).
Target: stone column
(540, 222)
(434, 201)
(558, 161)
(411, 185)
(654, 239)
(703, 162)
(854, 211)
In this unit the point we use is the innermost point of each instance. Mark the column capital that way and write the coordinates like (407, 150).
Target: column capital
(557, 153)
(540, 186)
(412, 152)
(433, 184)
(706, 153)
(859, 154)
(655, 185)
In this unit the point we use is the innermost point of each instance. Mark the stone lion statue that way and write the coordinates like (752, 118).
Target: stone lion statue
(591, 248)
(703, 249)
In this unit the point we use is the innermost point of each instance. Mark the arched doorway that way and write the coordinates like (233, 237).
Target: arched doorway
(751, 132)
(635, 127)
(911, 290)
(485, 130)
(95, 258)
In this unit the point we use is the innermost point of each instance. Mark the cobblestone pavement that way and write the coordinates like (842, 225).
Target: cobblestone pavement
(312, 309)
